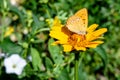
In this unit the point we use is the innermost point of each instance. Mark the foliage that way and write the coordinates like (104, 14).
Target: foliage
(32, 20)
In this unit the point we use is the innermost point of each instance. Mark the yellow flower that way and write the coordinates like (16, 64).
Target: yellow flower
(72, 41)
(9, 31)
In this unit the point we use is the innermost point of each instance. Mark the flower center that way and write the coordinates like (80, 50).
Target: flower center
(77, 39)
(14, 66)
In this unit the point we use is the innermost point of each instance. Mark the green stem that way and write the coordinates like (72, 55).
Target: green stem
(4, 13)
(76, 66)
(3, 27)
(48, 13)
(78, 61)
(41, 30)
(81, 57)
(44, 29)
(2, 30)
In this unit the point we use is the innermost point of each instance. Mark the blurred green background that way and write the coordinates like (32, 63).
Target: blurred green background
(31, 20)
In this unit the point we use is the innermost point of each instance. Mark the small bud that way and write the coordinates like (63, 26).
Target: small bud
(13, 38)
(25, 31)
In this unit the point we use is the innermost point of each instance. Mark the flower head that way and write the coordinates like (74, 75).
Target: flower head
(14, 64)
(73, 41)
(9, 31)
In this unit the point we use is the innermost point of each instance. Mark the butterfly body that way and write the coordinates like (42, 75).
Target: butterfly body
(78, 22)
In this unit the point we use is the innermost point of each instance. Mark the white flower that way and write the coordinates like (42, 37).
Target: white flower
(14, 64)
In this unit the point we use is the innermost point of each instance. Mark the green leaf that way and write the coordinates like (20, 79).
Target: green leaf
(102, 53)
(19, 13)
(64, 75)
(36, 60)
(55, 52)
(48, 63)
(37, 23)
(81, 74)
(10, 47)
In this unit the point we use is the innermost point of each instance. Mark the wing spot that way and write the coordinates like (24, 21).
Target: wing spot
(77, 19)
(72, 21)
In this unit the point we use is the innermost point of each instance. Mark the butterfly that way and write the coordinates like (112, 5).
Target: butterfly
(78, 22)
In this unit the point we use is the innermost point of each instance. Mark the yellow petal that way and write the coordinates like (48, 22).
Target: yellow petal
(59, 42)
(9, 31)
(96, 34)
(67, 48)
(56, 22)
(80, 48)
(55, 43)
(100, 31)
(99, 42)
(94, 44)
(59, 35)
(58, 28)
(92, 28)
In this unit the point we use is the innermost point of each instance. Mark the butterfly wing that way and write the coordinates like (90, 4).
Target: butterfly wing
(78, 22)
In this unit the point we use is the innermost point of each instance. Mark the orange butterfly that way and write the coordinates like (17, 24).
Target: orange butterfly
(78, 23)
